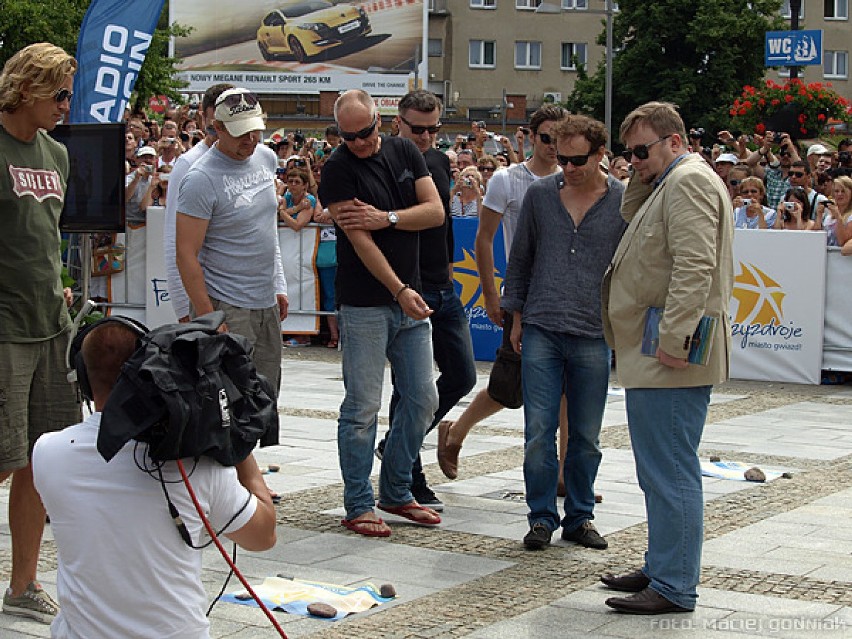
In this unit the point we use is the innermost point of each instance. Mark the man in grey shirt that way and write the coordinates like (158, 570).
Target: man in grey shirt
(226, 233)
(568, 229)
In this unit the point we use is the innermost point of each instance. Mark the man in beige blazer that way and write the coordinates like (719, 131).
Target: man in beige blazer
(677, 255)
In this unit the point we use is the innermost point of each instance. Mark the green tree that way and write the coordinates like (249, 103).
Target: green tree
(698, 55)
(23, 22)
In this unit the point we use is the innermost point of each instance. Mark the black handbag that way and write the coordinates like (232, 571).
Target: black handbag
(504, 385)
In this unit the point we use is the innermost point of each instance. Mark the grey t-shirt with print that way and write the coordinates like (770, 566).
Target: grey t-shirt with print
(238, 198)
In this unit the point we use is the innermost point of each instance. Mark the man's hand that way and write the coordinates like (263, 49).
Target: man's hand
(68, 294)
(672, 362)
(283, 306)
(495, 313)
(413, 305)
(517, 333)
(360, 216)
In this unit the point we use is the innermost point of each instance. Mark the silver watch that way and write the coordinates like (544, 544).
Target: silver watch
(393, 218)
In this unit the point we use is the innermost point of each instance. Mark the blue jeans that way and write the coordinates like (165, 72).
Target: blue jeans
(370, 336)
(554, 363)
(665, 429)
(453, 350)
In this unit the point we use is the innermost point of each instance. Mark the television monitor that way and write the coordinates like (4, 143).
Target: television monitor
(94, 198)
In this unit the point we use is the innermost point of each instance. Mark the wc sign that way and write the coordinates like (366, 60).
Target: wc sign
(793, 48)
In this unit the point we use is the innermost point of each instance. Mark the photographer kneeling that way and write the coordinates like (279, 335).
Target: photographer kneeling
(124, 570)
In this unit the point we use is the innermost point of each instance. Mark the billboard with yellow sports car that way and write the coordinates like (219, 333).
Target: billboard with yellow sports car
(301, 46)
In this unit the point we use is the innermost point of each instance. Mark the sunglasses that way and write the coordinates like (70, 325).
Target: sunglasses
(486, 168)
(797, 174)
(420, 130)
(735, 182)
(363, 134)
(576, 160)
(641, 150)
(236, 99)
(62, 95)
(547, 138)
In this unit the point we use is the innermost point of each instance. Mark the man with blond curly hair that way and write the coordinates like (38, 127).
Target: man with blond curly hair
(35, 396)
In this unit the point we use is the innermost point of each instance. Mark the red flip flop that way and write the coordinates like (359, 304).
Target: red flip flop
(360, 526)
(407, 511)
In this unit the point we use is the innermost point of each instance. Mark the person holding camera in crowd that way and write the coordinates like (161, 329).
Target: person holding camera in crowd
(124, 570)
(800, 177)
(750, 210)
(138, 184)
(794, 211)
(467, 194)
(169, 150)
(776, 174)
(837, 213)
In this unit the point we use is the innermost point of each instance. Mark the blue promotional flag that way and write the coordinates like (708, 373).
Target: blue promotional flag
(114, 39)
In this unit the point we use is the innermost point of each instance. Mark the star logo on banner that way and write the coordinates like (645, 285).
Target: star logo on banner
(759, 297)
(467, 275)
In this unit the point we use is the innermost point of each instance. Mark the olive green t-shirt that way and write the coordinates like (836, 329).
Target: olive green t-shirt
(33, 176)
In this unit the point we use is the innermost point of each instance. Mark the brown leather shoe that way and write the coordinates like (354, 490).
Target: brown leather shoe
(628, 582)
(645, 602)
(448, 454)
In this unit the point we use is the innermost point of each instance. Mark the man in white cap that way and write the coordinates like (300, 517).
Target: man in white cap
(819, 157)
(227, 237)
(723, 164)
(137, 185)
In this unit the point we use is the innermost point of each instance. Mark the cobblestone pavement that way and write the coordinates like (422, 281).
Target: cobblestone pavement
(777, 558)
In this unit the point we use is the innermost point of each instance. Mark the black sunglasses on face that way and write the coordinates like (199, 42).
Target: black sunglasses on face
(235, 99)
(576, 160)
(797, 174)
(363, 134)
(62, 95)
(734, 182)
(546, 138)
(420, 130)
(641, 150)
(486, 168)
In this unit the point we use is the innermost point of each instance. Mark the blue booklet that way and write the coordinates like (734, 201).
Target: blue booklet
(699, 347)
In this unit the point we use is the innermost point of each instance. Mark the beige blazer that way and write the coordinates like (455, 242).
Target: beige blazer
(677, 254)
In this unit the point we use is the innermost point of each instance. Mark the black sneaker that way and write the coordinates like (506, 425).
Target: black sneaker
(586, 535)
(425, 497)
(538, 537)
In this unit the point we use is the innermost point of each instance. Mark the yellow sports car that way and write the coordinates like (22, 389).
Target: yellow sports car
(304, 29)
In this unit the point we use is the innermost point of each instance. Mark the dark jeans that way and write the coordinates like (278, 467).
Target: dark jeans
(453, 352)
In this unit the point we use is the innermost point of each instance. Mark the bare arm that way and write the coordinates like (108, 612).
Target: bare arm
(189, 237)
(259, 532)
(355, 215)
(376, 262)
(489, 222)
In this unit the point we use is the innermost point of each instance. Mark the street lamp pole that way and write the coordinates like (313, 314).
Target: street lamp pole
(795, 7)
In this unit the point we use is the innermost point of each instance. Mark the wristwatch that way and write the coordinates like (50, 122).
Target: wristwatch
(393, 218)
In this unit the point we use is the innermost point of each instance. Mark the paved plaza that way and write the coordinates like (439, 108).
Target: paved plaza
(777, 556)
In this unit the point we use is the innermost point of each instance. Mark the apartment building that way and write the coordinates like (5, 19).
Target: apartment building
(496, 59)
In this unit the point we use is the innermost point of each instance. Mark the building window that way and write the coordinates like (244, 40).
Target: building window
(483, 4)
(785, 10)
(528, 55)
(573, 54)
(575, 4)
(836, 9)
(527, 4)
(834, 64)
(481, 54)
(436, 48)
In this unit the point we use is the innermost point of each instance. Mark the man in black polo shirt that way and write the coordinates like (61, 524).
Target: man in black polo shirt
(380, 194)
(419, 115)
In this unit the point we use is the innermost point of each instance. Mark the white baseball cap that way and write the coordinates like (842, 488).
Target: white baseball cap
(818, 149)
(239, 111)
(146, 150)
(727, 157)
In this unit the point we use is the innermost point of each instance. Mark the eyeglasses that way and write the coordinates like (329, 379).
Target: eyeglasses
(62, 95)
(236, 99)
(797, 174)
(486, 168)
(576, 160)
(734, 182)
(641, 150)
(546, 138)
(420, 130)
(363, 134)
